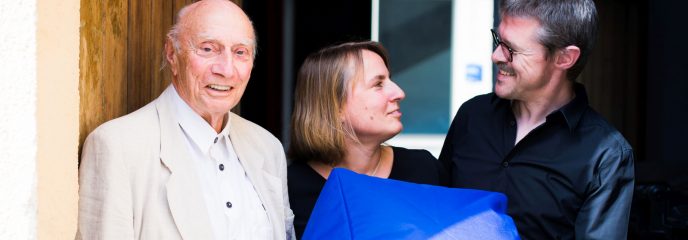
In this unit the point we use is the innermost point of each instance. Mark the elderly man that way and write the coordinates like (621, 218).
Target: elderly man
(567, 172)
(183, 166)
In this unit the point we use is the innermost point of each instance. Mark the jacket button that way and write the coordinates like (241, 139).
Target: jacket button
(505, 164)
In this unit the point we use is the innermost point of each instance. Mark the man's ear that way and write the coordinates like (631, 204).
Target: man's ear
(171, 56)
(567, 57)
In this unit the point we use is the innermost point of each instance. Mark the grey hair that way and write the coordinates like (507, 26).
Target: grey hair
(563, 23)
(173, 35)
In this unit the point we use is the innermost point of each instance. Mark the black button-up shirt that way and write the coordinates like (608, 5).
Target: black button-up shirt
(569, 178)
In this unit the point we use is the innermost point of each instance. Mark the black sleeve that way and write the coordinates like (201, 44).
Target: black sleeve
(448, 148)
(605, 213)
(442, 173)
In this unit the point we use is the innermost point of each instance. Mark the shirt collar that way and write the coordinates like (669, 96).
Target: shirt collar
(200, 132)
(572, 112)
(495, 100)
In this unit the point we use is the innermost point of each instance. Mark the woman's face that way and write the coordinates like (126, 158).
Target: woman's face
(372, 105)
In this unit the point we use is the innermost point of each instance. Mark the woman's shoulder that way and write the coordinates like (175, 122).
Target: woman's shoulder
(418, 166)
(299, 169)
(303, 181)
(404, 154)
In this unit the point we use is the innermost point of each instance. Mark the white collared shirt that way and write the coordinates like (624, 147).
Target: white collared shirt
(234, 207)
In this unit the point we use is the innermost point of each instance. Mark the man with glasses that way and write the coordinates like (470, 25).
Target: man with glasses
(567, 172)
(184, 166)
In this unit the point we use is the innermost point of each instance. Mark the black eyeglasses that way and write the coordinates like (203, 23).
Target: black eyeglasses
(506, 50)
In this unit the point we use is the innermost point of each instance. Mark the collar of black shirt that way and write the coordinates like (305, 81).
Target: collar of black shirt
(572, 112)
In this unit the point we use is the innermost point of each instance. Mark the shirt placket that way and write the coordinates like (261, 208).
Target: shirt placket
(222, 169)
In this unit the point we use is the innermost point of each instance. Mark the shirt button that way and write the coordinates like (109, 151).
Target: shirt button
(505, 164)
(229, 204)
(215, 140)
(222, 167)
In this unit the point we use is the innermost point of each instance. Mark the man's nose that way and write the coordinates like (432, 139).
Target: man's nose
(498, 55)
(224, 65)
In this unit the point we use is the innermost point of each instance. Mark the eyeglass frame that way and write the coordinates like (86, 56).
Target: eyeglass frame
(497, 41)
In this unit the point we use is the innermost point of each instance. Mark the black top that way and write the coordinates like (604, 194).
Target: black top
(305, 184)
(569, 178)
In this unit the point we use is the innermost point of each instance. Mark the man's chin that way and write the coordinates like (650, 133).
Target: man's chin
(221, 109)
(502, 93)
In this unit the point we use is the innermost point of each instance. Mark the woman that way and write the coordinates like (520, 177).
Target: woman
(346, 106)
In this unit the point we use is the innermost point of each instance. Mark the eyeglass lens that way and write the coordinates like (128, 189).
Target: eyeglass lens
(506, 50)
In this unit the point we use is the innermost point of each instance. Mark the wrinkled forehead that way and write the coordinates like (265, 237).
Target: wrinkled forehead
(223, 24)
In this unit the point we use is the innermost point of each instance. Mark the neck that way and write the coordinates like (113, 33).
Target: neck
(360, 158)
(216, 122)
(532, 112)
(536, 109)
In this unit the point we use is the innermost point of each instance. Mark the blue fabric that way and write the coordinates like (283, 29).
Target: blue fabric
(356, 206)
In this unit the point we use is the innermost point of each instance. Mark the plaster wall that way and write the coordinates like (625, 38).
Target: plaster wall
(57, 117)
(18, 119)
(39, 104)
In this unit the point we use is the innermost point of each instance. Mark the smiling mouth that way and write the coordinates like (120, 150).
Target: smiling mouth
(219, 87)
(505, 70)
(505, 73)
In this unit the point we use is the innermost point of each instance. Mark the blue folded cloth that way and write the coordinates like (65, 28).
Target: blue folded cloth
(356, 206)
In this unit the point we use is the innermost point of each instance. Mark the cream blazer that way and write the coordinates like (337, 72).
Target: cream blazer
(136, 180)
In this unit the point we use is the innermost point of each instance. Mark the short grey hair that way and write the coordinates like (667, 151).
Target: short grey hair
(563, 23)
(173, 33)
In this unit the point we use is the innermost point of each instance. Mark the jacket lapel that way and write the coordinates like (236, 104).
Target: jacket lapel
(265, 183)
(184, 196)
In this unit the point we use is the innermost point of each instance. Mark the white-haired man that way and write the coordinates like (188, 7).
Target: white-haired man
(184, 166)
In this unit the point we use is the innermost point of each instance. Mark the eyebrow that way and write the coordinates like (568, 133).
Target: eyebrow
(377, 78)
(507, 42)
(247, 42)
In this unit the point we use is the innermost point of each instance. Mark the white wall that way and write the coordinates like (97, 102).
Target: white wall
(18, 140)
(471, 47)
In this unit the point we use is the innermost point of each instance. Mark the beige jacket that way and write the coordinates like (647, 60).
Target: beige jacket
(136, 180)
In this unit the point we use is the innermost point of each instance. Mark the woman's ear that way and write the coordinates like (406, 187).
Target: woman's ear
(567, 57)
(171, 56)
(341, 115)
